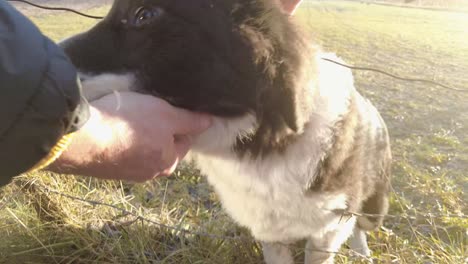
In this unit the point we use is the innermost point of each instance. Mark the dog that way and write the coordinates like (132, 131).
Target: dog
(293, 147)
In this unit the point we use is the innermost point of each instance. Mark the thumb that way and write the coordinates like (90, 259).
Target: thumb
(189, 123)
(182, 145)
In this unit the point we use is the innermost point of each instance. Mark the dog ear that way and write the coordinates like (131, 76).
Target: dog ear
(289, 6)
(280, 115)
(286, 102)
(284, 107)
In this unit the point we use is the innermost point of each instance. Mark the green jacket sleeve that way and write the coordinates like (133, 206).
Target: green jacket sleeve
(40, 95)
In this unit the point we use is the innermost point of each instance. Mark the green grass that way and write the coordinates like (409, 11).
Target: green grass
(428, 126)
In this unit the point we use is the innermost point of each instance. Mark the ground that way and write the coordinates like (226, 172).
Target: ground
(41, 222)
(75, 4)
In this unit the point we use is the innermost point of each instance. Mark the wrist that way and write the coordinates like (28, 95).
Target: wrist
(88, 146)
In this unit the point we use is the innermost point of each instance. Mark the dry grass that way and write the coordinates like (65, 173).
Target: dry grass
(428, 125)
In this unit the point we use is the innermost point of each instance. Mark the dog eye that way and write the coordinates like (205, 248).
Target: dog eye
(144, 15)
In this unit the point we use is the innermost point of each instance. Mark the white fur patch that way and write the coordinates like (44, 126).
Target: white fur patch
(358, 242)
(95, 87)
(335, 86)
(223, 134)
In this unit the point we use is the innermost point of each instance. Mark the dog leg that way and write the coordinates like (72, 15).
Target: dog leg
(321, 250)
(318, 253)
(277, 253)
(358, 242)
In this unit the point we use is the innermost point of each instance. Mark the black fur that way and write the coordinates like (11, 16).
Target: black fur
(224, 57)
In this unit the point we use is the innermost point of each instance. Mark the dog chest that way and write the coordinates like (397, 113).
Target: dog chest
(268, 198)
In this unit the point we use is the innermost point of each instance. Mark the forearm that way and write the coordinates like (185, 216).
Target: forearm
(39, 96)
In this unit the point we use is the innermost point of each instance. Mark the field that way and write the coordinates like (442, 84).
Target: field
(180, 220)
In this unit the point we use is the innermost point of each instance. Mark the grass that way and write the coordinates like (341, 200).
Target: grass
(428, 126)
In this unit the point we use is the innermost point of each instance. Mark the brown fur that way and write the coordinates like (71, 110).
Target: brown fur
(352, 154)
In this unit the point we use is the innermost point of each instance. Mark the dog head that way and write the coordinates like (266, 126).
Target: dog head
(228, 58)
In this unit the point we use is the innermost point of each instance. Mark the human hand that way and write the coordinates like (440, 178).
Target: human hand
(132, 137)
